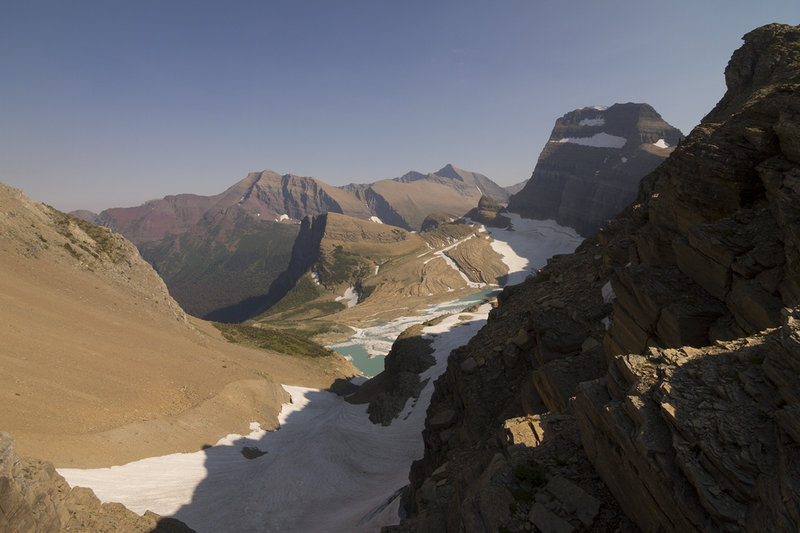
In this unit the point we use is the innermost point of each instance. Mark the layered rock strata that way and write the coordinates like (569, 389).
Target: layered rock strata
(591, 166)
(669, 342)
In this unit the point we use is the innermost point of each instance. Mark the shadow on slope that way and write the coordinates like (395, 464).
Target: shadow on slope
(241, 311)
(327, 468)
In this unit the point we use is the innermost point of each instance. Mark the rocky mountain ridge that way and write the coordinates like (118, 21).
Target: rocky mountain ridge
(651, 375)
(219, 254)
(591, 166)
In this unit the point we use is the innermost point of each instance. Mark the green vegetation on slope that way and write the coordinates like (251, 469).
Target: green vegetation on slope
(223, 277)
(343, 266)
(302, 299)
(272, 339)
(102, 242)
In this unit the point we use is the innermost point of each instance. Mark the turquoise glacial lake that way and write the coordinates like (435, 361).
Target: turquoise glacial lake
(368, 347)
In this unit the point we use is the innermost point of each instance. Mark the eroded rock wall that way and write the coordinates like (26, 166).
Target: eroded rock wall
(591, 166)
(668, 342)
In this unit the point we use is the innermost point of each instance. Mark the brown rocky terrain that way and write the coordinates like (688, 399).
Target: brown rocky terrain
(34, 497)
(650, 378)
(489, 213)
(102, 367)
(591, 166)
(388, 392)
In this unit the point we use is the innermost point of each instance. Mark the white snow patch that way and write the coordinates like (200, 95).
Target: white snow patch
(624, 159)
(373, 218)
(592, 121)
(606, 322)
(315, 277)
(377, 268)
(661, 143)
(598, 140)
(527, 246)
(327, 456)
(282, 218)
(608, 293)
(350, 296)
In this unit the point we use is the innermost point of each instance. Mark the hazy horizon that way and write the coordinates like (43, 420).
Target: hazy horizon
(108, 105)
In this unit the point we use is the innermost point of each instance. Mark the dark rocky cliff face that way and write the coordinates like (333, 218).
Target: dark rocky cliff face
(590, 168)
(652, 375)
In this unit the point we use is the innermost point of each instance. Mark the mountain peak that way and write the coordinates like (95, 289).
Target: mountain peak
(591, 167)
(449, 171)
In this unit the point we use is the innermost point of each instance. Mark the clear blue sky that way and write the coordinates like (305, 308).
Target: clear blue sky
(110, 103)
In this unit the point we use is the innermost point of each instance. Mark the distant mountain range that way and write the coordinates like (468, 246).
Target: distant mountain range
(218, 253)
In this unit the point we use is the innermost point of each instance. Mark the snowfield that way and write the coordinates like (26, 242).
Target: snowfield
(661, 143)
(598, 140)
(350, 297)
(530, 243)
(592, 122)
(326, 469)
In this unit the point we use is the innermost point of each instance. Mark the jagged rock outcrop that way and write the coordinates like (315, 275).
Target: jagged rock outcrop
(388, 392)
(34, 497)
(489, 213)
(700, 410)
(434, 220)
(669, 342)
(591, 166)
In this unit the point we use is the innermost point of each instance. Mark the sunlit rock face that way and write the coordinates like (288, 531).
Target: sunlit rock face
(592, 164)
